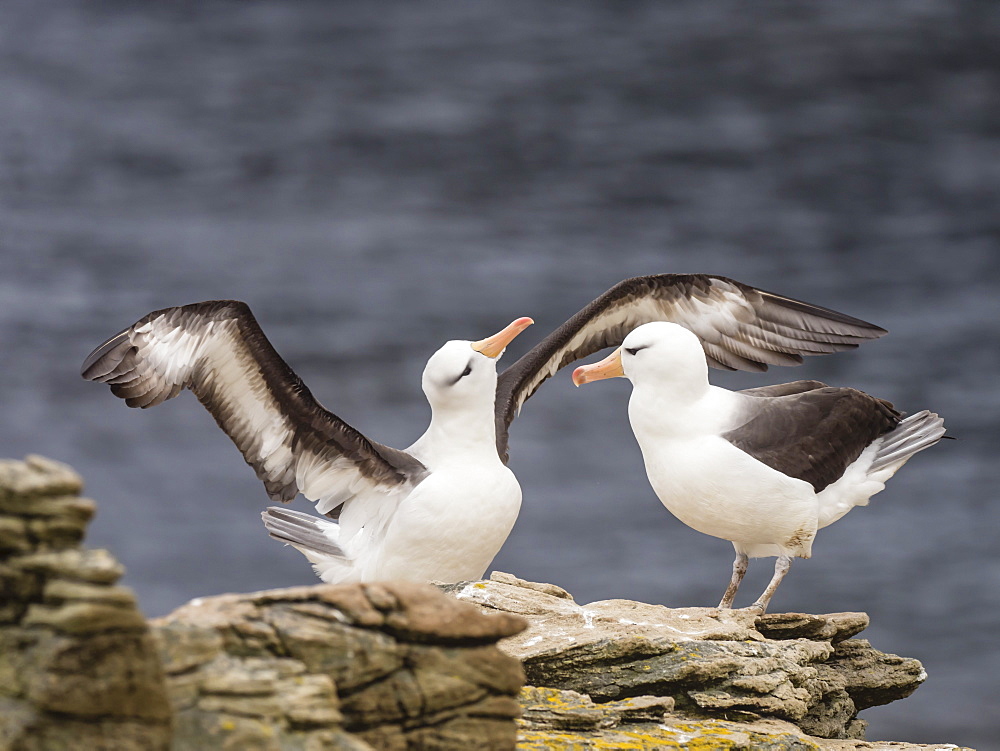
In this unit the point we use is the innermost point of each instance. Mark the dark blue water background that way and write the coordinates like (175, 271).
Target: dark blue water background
(377, 178)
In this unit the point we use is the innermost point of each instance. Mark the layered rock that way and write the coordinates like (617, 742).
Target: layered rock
(384, 666)
(400, 665)
(634, 675)
(78, 668)
(355, 667)
(560, 719)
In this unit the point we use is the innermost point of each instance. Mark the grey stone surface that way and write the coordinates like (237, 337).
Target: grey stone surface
(398, 665)
(786, 680)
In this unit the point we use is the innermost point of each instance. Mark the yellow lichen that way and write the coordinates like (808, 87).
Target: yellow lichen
(690, 736)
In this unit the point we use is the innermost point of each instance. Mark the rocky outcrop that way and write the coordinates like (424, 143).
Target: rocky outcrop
(383, 666)
(357, 667)
(628, 674)
(78, 667)
(559, 719)
(400, 665)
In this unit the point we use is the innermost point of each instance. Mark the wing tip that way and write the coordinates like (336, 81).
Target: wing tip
(865, 329)
(89, 370)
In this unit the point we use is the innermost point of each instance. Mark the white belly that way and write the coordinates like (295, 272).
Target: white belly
(451, 527)
(715, 488)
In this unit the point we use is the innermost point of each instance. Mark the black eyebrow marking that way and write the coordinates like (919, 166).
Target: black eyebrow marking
(463, 374)
(633, 350)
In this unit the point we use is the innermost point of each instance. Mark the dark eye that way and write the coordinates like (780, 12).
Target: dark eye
(468, 369)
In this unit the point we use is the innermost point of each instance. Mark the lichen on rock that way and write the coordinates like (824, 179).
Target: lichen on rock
(704, 677)
(400, 665)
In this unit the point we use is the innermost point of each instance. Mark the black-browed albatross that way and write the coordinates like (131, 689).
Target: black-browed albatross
(764, 468)
(442, 508)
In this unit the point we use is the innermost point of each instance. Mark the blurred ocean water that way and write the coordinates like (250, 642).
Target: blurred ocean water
(376, 179)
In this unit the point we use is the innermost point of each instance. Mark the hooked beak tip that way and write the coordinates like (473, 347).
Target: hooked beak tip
(609, 367)
(494, 346)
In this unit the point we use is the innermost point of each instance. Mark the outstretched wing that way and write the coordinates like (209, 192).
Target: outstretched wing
(741, 328)
(218, 351)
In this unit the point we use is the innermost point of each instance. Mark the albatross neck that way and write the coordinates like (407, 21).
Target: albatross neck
(664, 402)
(462, 433)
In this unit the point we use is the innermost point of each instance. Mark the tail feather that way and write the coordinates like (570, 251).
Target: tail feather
(303, 531)
(879, 462)
(317, 539)
(916, 433)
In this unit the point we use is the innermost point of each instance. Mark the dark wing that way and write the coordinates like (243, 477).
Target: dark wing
(741, 328)
(813, 435)
(218, 351)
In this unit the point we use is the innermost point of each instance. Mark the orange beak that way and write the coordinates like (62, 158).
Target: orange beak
(494, 345)
(609, 367)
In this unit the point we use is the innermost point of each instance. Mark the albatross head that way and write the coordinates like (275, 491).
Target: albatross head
(463, 373)
(660, 353)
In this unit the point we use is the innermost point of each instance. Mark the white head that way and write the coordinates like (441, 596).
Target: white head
(463, 374)
(663, 355)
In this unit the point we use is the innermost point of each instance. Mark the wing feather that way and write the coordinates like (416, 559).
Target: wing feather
(218, 351)
(811, 431)
(741, 328)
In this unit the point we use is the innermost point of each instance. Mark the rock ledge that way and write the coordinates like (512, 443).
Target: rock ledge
(629, 674)
(388, 666)
(399, 665)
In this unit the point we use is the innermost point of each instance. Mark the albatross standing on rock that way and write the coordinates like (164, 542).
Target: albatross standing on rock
(441, 509)
(764, 468)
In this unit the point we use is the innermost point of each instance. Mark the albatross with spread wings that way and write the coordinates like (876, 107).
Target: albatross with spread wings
(441, 509)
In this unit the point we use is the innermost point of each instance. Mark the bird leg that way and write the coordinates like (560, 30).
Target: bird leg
(739, 569)
(781, 567)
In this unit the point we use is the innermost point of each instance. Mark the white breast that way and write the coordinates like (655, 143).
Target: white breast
(712, 486)
(451, 526)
